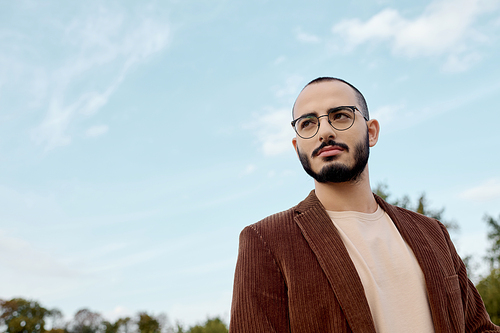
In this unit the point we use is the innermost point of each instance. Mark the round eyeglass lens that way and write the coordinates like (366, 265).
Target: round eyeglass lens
(341, 119)
(306, 127)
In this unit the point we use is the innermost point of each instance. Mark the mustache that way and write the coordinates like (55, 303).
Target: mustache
(329, 143)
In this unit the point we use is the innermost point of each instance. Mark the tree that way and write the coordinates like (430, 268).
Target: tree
(24, 316)
(421, 206)
(215, 325)
(57, 321)
(148, 324)
(489, 287)
(86, 321)
(122, 325)
(494, 236)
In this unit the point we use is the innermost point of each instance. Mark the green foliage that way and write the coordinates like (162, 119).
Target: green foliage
(215, 325)
(179, 329)
(489, 288)
(421, 206)
(148, 324)
(110, 327)
(24, 316)
(85, 321)
(121, 325)
(494, 237)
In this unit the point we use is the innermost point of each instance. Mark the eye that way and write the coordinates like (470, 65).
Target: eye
(340, 116)
(307, 122)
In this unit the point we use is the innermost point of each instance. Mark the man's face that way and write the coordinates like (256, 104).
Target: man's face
(332, 155)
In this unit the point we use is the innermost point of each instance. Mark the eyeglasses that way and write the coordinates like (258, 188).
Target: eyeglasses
(340, 118)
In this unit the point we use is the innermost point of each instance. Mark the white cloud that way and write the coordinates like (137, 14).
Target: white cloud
(446, 27)
(305, 37)
(100, 48)
(273, 131)
(397, 117)
(456, 63)
(20, 256)
(124, 261)
(291, 88)
(279, 60)
(249, 169)
(386, 113)
(486, 191)
(496, 23)
(272, 126)
(96, 131)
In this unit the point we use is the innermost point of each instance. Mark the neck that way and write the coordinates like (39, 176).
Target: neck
(349, 196)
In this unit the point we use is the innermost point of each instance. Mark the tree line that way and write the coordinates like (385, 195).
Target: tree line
(19, 315)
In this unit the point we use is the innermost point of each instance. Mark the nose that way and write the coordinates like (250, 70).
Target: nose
(325, 131)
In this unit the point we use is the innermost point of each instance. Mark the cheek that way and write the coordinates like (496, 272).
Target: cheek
(304, 148)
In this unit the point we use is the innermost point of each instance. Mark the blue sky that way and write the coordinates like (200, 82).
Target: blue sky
(138, 139)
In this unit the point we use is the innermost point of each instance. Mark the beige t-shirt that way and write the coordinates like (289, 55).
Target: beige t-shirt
(393, 281)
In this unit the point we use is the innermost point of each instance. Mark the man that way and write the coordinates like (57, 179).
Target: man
(343, 260)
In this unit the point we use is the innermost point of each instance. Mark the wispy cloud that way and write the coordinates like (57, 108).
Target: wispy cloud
(445, 28)
(401, 116)
(273, 131)
(279, 60)
(124, 261)
(291, 88)
(460, 63)
(271, 126)
(386, 113)
(486, 191)
(306, 37)
(19, 255)
(96, 131)
(100, 50)
(249, 169)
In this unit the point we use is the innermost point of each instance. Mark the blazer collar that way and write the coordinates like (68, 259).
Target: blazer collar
(325, 242)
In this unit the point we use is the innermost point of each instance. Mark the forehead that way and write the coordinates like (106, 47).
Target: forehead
(320, 97)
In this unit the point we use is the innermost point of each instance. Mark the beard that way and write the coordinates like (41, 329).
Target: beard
(338, 172)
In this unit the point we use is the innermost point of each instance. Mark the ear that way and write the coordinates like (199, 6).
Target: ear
(294, 143)
(373, 131)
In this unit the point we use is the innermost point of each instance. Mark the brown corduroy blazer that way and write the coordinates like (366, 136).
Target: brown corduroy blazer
(294, 274)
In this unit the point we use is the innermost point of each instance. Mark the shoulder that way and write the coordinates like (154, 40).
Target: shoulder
(285, 220)
(422, 221)
(278, 233)
(408, 217)
(277, 223)
(414, 216)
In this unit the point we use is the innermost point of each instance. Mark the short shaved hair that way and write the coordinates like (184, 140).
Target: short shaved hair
(359, 96)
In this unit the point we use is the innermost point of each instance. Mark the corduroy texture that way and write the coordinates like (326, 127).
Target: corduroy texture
(294, 275)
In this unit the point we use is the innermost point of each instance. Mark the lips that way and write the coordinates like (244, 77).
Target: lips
(330, 148)
(330, 151)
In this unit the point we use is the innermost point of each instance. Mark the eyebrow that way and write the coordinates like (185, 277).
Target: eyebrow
(340, 107)
(314, 113)
(309, 114)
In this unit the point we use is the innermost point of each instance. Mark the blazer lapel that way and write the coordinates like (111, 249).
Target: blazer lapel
(325, 242)
(429, 263)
